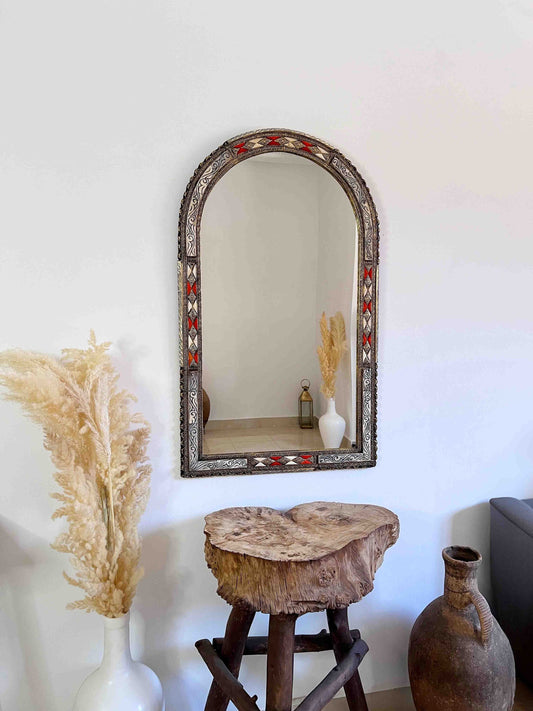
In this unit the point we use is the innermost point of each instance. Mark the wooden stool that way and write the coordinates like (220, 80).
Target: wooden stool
(319, 556)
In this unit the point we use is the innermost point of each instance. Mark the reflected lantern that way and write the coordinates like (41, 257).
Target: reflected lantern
(305, 406)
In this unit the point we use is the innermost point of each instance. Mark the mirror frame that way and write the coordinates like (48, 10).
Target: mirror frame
(193, 463)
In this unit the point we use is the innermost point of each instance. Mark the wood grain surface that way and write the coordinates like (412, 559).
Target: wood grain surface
(315, 556)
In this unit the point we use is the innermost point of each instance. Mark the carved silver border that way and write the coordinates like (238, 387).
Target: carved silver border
(363, 453)
(180, 297)
(365, 202)
(193, 212)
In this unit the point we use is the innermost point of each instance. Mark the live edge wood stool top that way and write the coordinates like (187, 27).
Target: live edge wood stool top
(316, 556)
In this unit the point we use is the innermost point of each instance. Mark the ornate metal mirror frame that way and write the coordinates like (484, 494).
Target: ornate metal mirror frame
(363, 454)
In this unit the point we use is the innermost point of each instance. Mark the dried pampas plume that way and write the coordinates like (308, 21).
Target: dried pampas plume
(333, 347)
(99, 450)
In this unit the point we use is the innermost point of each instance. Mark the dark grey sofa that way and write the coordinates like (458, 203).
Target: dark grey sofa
(511, 558)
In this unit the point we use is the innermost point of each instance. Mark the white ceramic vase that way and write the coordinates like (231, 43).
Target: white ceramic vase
(331, 426)
(120, 684)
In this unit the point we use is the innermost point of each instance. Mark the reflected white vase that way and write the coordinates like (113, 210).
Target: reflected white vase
(332, 426)
(120, 684)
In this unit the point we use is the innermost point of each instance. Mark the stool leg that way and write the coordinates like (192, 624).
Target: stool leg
(237, 628)
(342, 641)
(280, 662)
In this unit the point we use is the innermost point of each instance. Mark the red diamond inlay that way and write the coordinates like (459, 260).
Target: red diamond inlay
(367, 306)
(273, 141)
(368, 273)
(241, 147)
(306, 146)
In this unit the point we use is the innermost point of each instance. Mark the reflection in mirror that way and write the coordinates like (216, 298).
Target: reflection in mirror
(279, 247)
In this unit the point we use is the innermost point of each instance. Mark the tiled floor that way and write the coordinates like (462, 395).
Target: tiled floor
(524, 698)
(401, 700)
(260, 438)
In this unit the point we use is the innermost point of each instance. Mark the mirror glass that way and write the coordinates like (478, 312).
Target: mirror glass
(278, 247)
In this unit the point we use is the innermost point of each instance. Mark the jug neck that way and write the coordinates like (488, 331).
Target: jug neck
(117, 641)
(460, 580)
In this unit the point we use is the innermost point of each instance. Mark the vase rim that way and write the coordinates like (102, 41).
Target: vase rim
(461, 556)
(117, 622)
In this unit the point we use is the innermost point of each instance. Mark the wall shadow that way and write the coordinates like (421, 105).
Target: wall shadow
(471, 527)
(176, 604)
(17, 563)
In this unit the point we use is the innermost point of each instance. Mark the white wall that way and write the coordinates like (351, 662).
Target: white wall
(106, 111)
(259, 251)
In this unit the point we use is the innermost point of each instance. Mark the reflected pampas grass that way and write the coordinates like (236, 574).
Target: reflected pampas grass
(333, 347)
(99, 450)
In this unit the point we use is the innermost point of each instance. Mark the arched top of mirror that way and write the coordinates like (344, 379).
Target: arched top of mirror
(197, 459)
(265, 141)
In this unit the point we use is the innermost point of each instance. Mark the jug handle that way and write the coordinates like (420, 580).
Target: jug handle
(484, 614)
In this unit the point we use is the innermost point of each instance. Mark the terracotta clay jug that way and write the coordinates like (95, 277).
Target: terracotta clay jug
(206, 407)
(459, 658)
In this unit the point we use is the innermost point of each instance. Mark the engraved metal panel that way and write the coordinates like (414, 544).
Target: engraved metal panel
(205, 465)
(365, 203)
(180, 297)
(196, 200)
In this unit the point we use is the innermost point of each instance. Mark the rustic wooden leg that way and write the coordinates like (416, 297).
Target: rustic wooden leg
(342, 641)
(334, 681)
(237, 628)
(231, 686)
(280, 662)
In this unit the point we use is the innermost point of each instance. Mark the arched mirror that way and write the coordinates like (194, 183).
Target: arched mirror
(277, 228)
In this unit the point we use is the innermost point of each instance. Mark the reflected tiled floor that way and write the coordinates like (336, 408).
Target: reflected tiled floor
(261, 438)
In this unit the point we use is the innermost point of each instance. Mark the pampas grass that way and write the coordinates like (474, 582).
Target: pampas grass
(333, 347)
(99, 450)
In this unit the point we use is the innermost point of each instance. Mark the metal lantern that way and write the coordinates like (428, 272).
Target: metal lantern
(305, 407)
